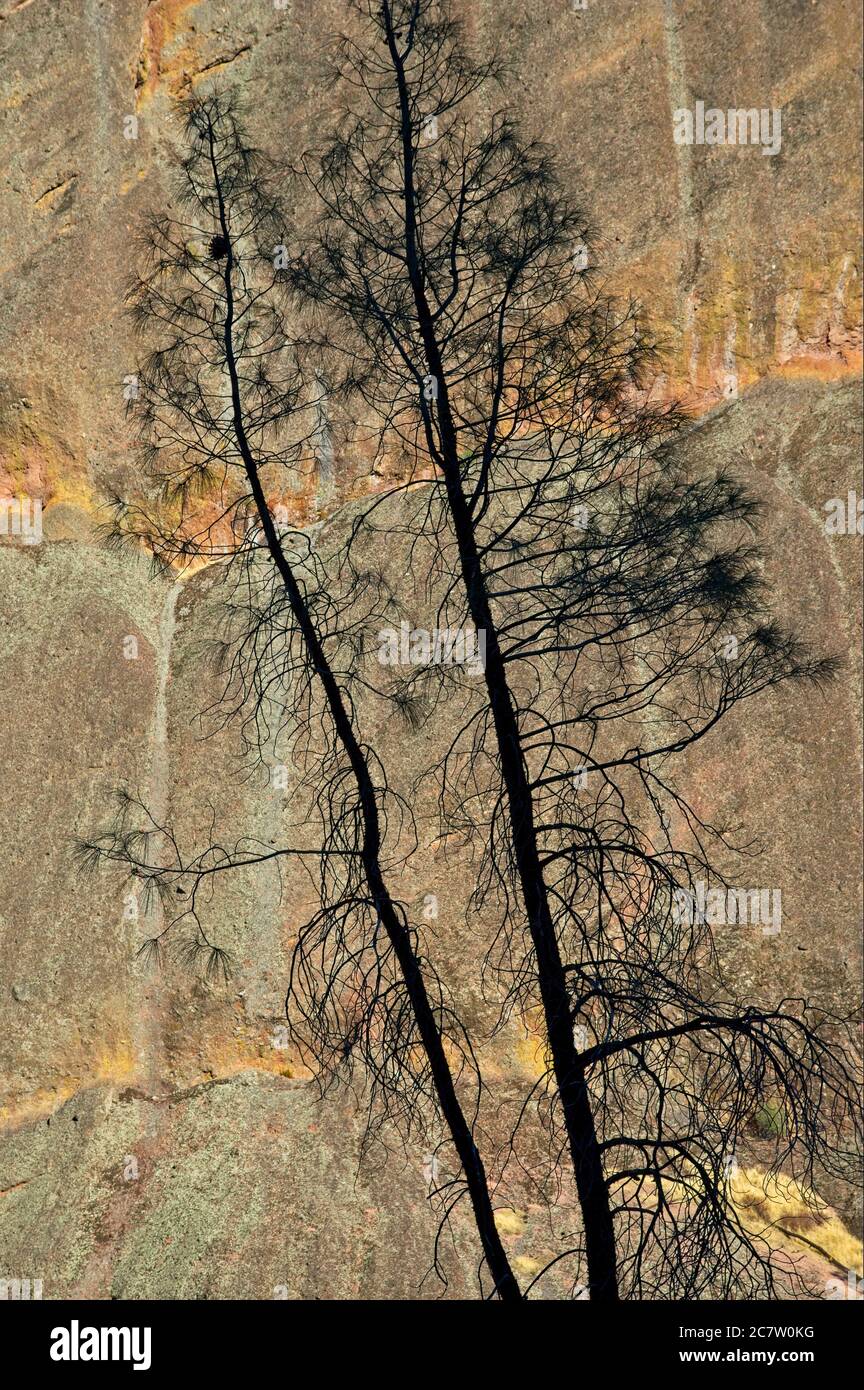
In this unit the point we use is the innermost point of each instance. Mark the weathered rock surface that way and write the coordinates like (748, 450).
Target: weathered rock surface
(244, 1184)
(746, 265)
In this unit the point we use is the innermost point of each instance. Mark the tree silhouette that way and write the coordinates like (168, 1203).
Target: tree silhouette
(445, 283)
(223, 412)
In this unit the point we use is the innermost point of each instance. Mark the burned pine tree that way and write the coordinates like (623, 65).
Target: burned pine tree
(222, 410)
(449, 273)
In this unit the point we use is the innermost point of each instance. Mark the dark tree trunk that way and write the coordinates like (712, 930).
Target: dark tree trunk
(569, 1075)
(506, 1285)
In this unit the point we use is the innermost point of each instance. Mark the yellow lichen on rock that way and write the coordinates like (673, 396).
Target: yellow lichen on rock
(162, 24)
(774, 1203)
(509, 1221)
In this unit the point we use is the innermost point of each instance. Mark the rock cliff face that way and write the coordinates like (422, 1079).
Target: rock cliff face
(157, 1139)
(746, 263)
